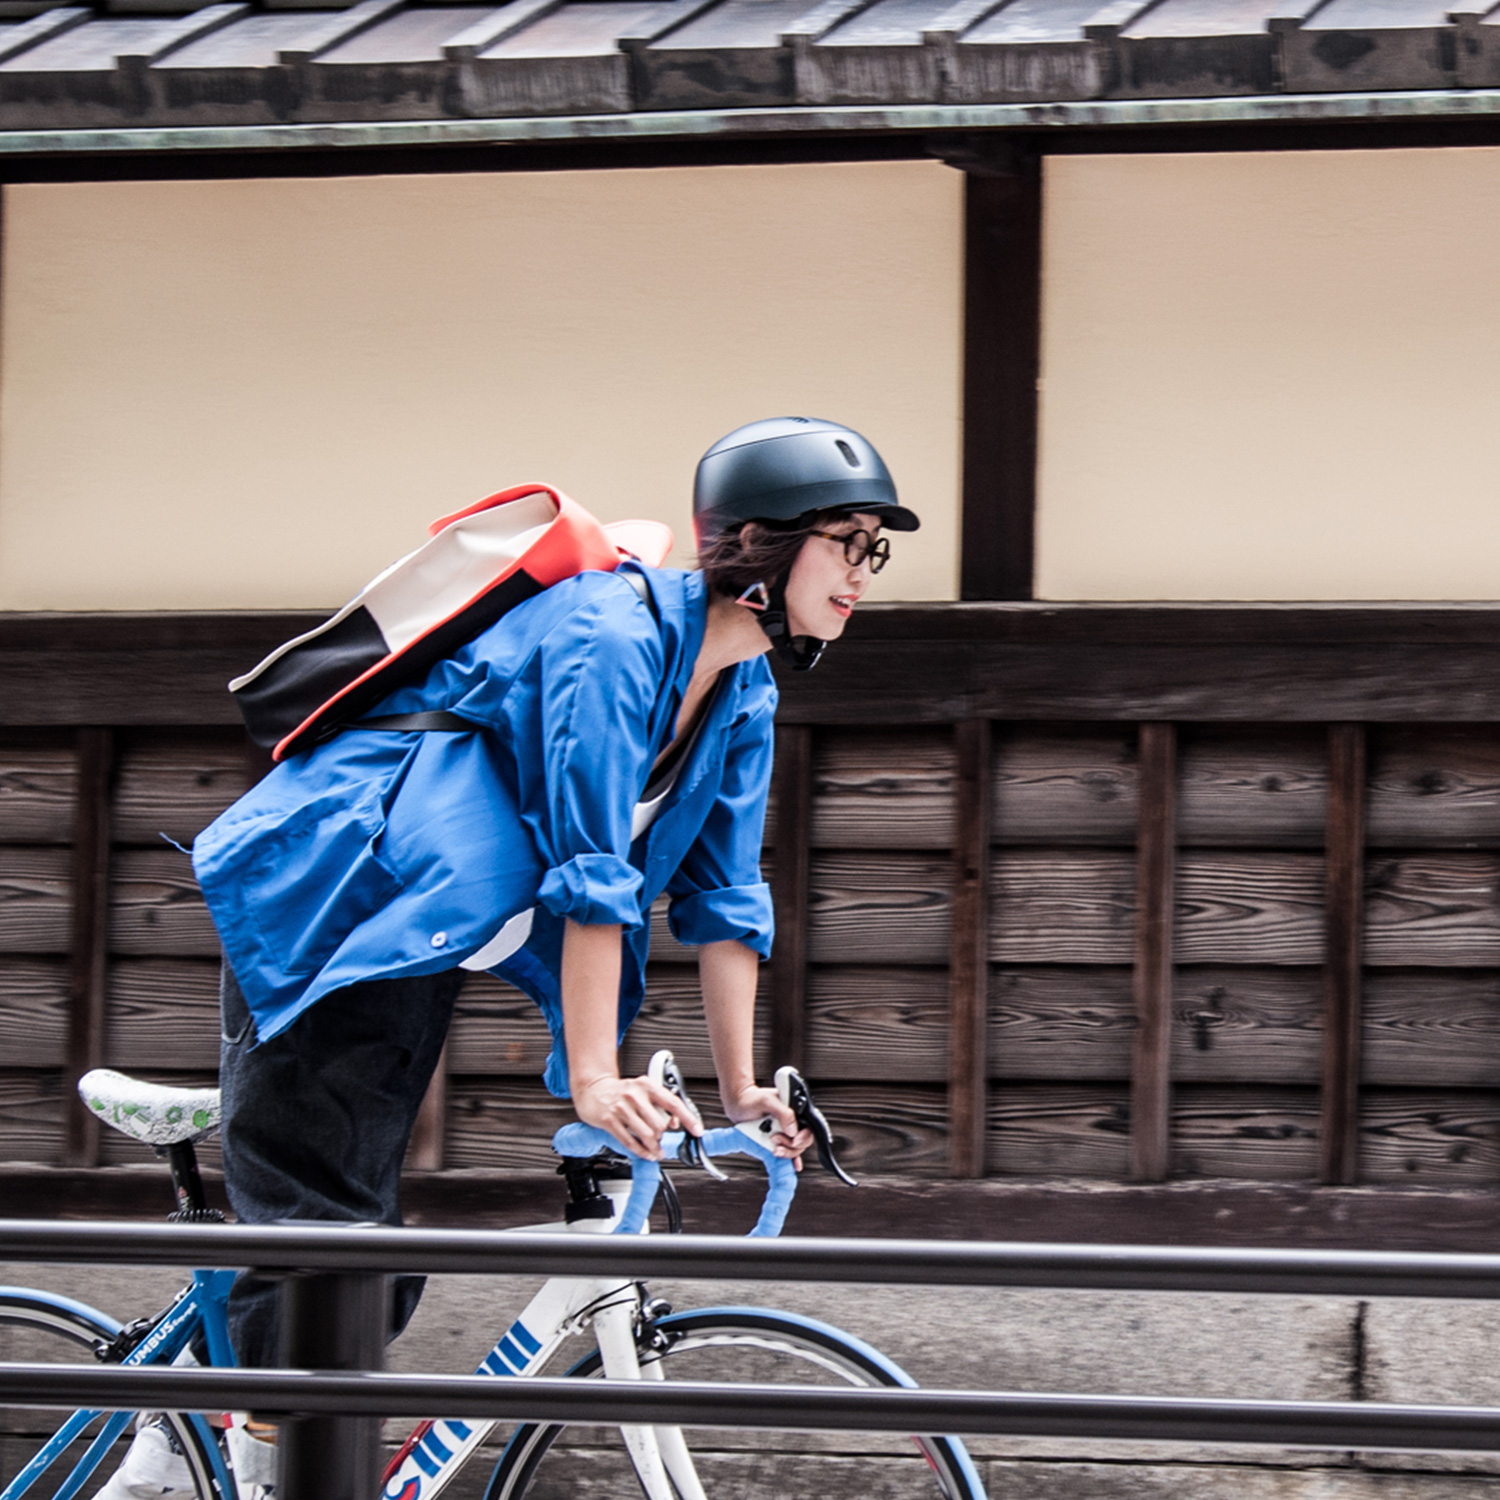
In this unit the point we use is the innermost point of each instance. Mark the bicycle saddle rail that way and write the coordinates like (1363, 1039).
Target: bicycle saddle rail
(582, 1140)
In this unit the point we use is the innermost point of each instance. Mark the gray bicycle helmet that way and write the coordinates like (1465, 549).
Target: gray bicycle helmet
(783, 470)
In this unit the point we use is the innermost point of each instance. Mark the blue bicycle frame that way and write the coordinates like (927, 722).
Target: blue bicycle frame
(200, 1308)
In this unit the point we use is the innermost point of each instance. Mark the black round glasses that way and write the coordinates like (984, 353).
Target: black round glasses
(860, 547)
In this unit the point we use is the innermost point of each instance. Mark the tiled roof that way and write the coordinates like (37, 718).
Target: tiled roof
(71, 67)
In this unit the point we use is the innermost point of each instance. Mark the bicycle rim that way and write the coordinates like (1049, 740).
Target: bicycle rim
(38, 1327)
(548, 1461)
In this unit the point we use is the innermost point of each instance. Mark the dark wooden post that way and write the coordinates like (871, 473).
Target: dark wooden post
(791, 890)
(968, 963)
(1002, 359)
(1338, 1141)
(1156, 867)
(88, 938)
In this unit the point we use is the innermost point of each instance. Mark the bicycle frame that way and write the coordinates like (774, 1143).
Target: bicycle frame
(439, 1448)
(199, 1307)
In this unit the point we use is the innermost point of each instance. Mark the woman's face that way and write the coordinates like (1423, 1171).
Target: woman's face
(823, 588)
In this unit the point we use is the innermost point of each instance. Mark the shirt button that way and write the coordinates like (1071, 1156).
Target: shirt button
(440, 940)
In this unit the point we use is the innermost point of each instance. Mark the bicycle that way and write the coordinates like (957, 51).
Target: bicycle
(635, 1334)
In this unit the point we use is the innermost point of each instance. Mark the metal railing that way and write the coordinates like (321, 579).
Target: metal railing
(335, 1277)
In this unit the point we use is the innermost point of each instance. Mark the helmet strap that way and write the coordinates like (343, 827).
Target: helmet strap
(800, 652)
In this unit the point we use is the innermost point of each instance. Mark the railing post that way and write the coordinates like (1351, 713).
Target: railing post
(331, 1322)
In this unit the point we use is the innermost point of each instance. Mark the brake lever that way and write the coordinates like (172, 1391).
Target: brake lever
(796, 1095)
(663, 1070)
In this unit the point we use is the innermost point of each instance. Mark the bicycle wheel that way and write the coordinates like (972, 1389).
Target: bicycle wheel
(548, 1461)
(43, 1452)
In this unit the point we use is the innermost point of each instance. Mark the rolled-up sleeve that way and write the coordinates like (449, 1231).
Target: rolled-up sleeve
(591, 685)
(717, 892)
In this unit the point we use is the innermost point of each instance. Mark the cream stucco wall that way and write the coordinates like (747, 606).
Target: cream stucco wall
(256, 394)
(1271, 376)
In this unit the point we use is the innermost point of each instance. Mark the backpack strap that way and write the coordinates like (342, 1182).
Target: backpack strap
(435, 722)
(438, 721)
(637, 581)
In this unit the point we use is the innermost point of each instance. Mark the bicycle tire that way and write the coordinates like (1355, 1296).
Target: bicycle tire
(940, 1466)
(42, 1327)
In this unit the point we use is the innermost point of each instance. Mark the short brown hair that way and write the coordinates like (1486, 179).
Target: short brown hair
(758, 552)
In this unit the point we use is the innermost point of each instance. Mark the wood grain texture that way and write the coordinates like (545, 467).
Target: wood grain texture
(175, 785)
(37, 787)
(959, 673)
(1434, 1027)
(1252, 788)
(1342, 969)
(664, 948)
(672, 1017)
(1062, 907)
(883, 790)
(968, 969)
(935, 664)
(1250, 908)
(1266, 1132)
(36, 896)
(33, 1012)
(1059, 1130)
(1434, 787)
(1074, 785)
(156, 907)
(31, 1115)
(1155, 910)
(160, 1008)
(877, 1021)
(1247, 1025)
(899, 1128)
(1216, 1212)
(502, 1124)
(497, 1031)
(1449, 1138)
(88, 935)
(868, 908)
(1073, 1023)
(1433, 909)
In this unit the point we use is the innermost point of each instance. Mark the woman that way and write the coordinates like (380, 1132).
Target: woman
(621, 748)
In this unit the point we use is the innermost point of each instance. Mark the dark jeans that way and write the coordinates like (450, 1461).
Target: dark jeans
(317, 1120)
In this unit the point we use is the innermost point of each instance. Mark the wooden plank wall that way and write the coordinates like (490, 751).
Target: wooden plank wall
(1050, 949)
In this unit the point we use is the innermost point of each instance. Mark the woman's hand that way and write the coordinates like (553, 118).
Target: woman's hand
(752, 1103)
(635, 1111)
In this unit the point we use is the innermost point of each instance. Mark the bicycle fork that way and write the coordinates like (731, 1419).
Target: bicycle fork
(660, 1454)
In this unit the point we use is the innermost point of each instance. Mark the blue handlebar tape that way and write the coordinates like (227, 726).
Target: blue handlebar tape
(579, 1139)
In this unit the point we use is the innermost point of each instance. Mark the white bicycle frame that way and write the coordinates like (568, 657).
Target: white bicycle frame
(438, 1449)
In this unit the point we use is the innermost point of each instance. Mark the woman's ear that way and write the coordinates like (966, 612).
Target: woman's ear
(749, 534)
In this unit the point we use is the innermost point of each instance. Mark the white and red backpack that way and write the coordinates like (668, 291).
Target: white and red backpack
(477, 565)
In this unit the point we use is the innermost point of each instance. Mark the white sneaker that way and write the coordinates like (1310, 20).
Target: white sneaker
(154, 1467)
(254, 1463)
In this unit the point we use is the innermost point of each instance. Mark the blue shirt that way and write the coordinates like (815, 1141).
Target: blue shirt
(382, 854)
